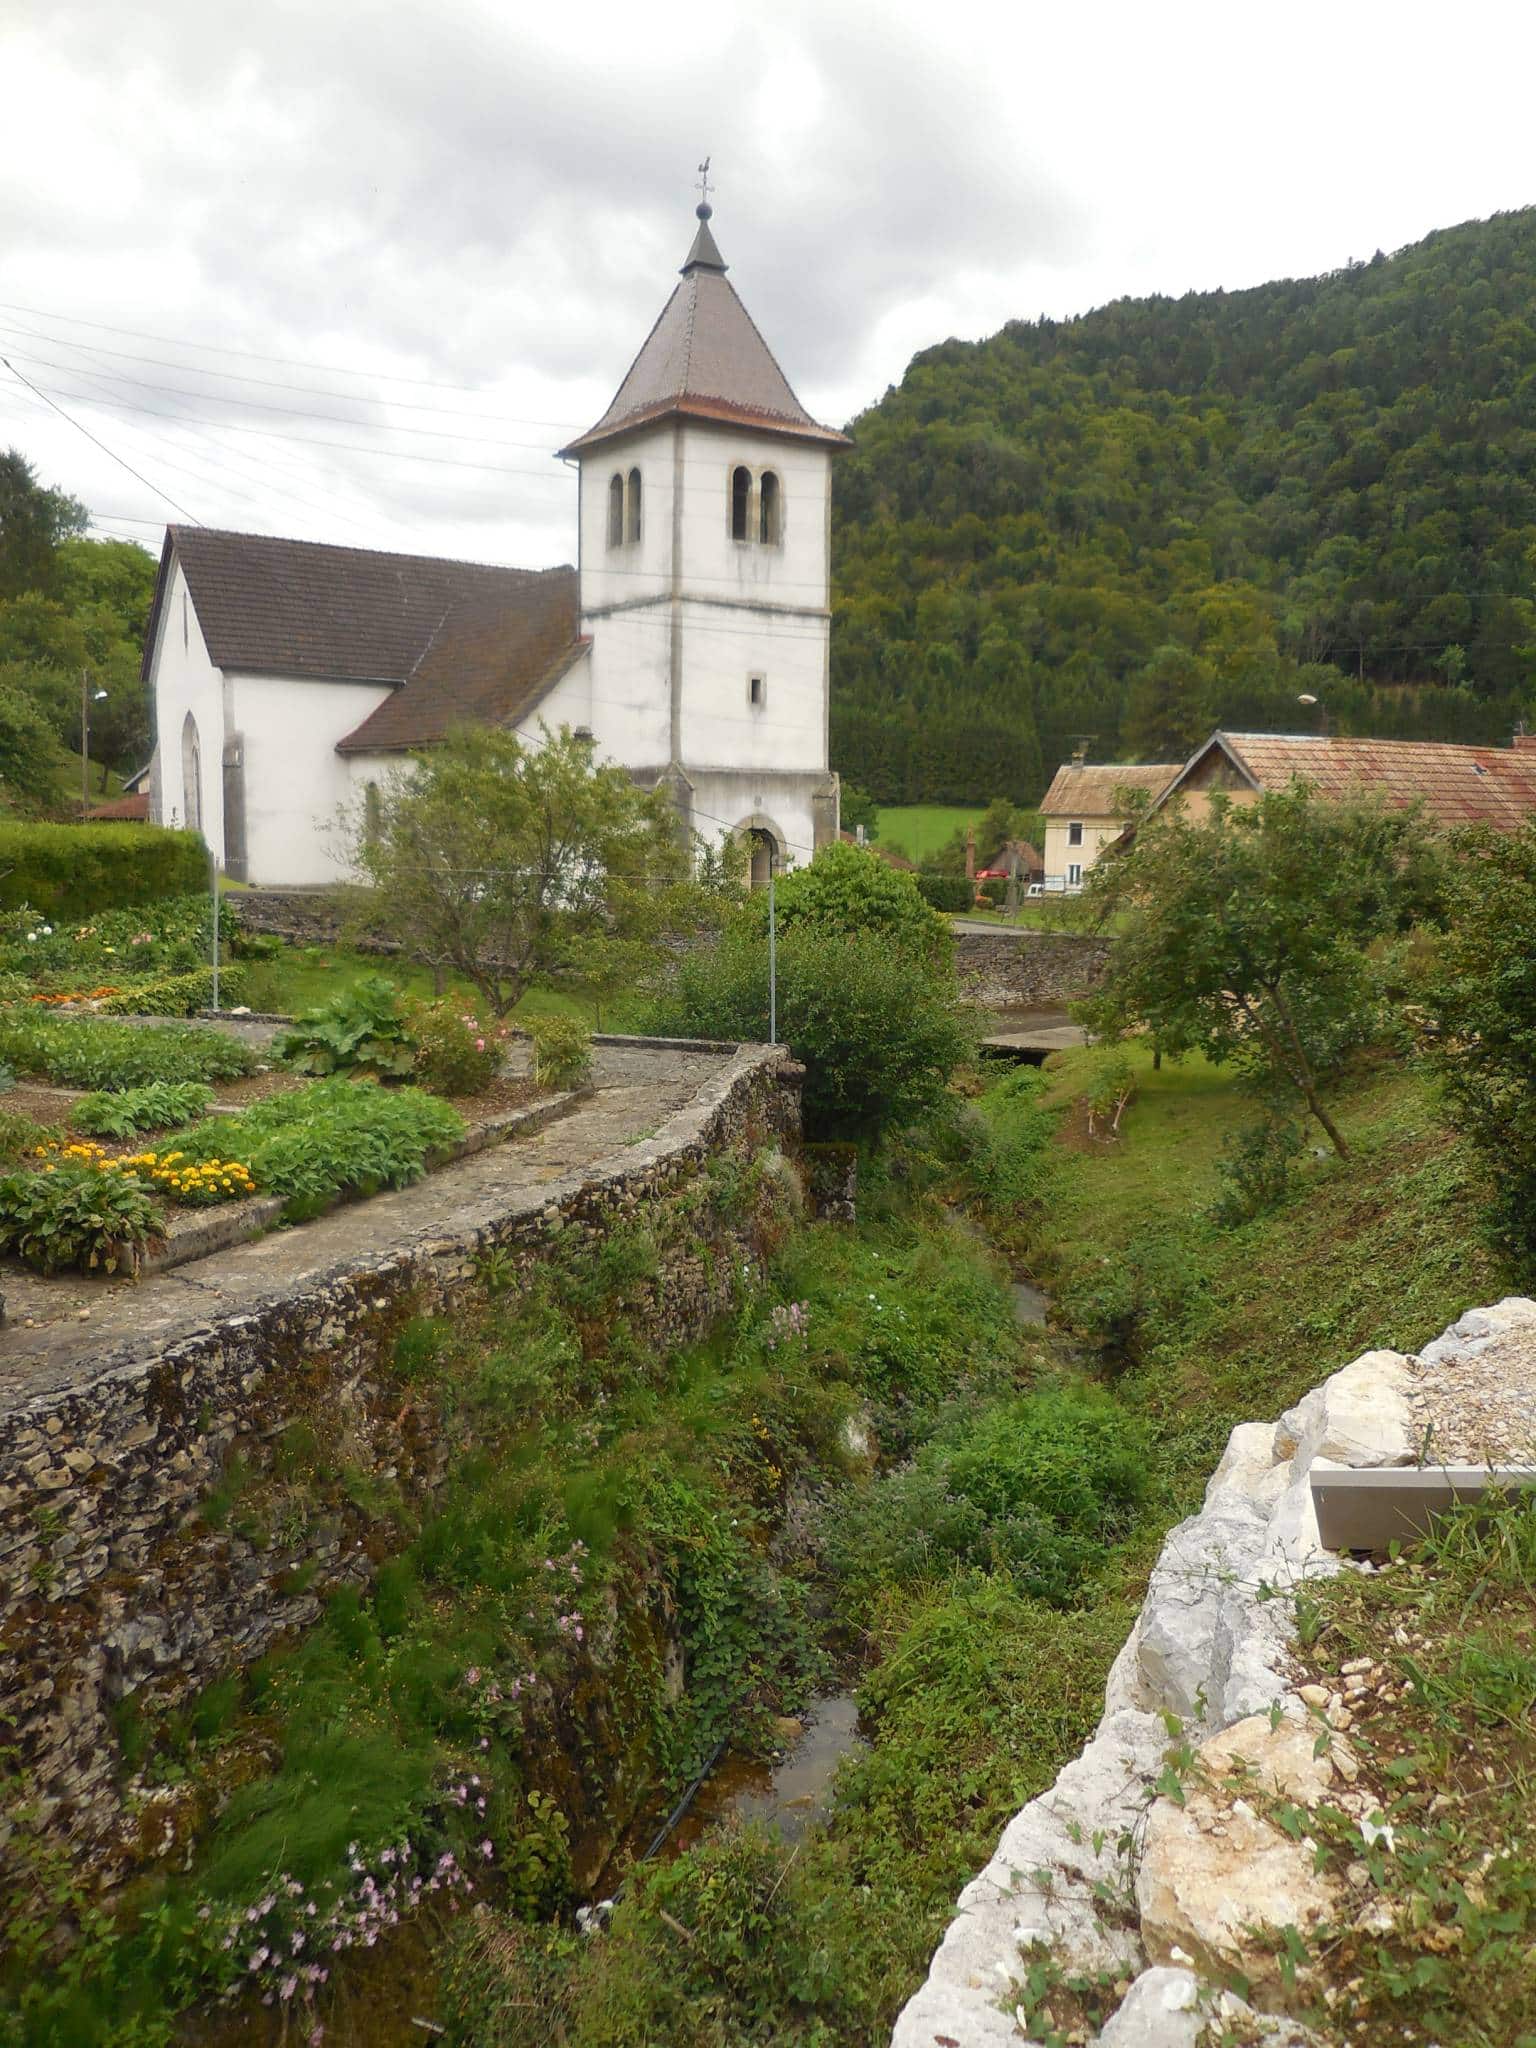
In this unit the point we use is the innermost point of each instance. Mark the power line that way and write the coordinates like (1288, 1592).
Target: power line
(137, 475)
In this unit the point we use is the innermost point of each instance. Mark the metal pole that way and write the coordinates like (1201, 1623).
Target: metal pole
(85, 745)
(773, 954)
(213, 869)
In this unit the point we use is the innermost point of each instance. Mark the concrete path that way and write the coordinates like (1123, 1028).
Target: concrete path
(57, 1329)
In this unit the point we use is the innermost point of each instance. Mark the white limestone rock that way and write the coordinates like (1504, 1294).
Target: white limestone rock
(1360, 1416)
(1168, 2008)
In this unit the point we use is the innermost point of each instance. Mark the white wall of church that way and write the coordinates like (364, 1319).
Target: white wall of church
(294, 778)
(185, 683)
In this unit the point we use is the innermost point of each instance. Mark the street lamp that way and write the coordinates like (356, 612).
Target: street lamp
(88, 697)
(1306, 697)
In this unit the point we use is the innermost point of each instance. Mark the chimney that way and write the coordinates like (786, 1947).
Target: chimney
(1079, 754)
(1523, 742)
(970, 853)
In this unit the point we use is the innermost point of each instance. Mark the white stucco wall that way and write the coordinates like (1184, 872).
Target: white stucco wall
(294, 778)
(183, 681)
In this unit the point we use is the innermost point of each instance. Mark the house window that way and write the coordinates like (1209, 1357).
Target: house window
(1074, 835)
(373, 814)
(632, 507)
(770, 515)
(191, 774)
(741, 502)
(615, 510)
(1074, 874)
(757, 691)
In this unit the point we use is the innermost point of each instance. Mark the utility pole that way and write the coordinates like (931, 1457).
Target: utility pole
(85, 744)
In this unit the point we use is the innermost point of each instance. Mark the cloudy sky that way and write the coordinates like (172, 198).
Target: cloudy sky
(352, 271)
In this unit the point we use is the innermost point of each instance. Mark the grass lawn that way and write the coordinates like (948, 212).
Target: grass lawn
(303, 976)
(1219, 1324)
(919, 830)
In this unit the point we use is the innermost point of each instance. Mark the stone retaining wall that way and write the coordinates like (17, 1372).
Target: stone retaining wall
(1101, 1873)
(1012, 970)
(153, 1527)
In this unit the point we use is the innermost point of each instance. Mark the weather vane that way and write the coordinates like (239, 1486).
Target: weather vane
(704, 182)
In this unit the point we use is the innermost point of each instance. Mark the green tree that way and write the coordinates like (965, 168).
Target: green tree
(511, 863)
(1486, 1001)
(859, 808)
(849, 889)
(1248, 933)
(33, 522)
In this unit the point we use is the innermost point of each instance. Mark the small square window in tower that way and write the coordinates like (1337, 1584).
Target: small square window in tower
(757, 691)
(741, 502)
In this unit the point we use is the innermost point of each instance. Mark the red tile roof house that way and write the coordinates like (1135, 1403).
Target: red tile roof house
(692, 642)
(1494, 786)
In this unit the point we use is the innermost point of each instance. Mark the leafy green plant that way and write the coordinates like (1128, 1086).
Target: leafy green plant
(335, 1137)
(20, 1135)
(849, 889)
(91, 1052)
(562, 1051)
(78, 1213)
(537, 1869)
(457, 1052)
(158, 1106)
(177, 995)
(1258, 1168)
(363, 1030)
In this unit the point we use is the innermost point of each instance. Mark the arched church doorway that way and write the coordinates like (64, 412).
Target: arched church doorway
(191, 775)
(764, 854)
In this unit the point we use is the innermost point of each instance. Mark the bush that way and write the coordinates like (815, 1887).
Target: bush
(1257, 1169)
(456, 1052)
(159, 1106)
(362, 1030)
(19, 1135)
(152, 939)
(1038, 1487)
(337, 1137)
(947, 892)
(995, 893)
(880, 1030)
(562, 1051)
(85, 1212)
(1010, 1170)
(851, 890)
(73, 871)
(177, 995)
(92, 1052)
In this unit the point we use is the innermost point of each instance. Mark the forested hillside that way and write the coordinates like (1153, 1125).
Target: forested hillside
(1176, 513)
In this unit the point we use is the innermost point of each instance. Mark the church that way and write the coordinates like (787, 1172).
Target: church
(691, 642)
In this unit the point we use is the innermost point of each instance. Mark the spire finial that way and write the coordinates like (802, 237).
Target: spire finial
(704, 209)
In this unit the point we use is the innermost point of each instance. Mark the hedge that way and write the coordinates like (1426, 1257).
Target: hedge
(947, 892)
(77, 870)
(177, 995)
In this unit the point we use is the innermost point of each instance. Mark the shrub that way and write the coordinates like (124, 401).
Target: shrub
(20, 1135)
(1011, 1168)
(879, 1029)
(86, 1212)
(362, 1030)
(77, 870)
(1257, 1169)
(151, 939)
(456, 1052)
(1039, 1487)
(851, 890)
(248, 945)
(333, 1138)
(177, 995)
(158, 1106)
(995, 893)
(562, 1051)
(946, 892)
(92, 1052)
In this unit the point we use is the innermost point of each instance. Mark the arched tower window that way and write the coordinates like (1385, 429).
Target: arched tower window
(615, 510)
(770, 510)
(191, 775)
(632, 507)
(373, 814)
(741, 503)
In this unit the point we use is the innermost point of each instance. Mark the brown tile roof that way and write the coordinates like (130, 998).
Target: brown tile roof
(1089, 790)
(885, 853)
(705, 359)
(1457, 785)
(997, 864)
(126, 809)
(466, 641)
(489, 663)
(300, 608)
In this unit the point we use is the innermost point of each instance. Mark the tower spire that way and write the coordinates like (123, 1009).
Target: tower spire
(705, 253)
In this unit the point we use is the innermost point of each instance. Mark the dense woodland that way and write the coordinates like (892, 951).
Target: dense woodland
(1177, 513)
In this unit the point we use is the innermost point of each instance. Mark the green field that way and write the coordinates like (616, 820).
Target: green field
(919, 830)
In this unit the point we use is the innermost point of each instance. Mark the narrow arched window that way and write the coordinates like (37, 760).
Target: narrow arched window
(769, 510)
(191, 775)
(632, 507)
(615, 510)
(373, 814)
(741, 503)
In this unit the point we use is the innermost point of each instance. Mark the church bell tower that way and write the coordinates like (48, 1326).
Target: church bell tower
(705, 524)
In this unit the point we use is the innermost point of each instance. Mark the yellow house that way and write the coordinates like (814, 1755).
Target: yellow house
(1085, 809)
